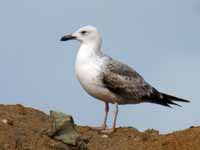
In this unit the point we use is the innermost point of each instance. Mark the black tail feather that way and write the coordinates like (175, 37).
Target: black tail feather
(173, 98)
(166, 100)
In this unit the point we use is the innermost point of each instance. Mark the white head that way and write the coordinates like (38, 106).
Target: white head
(86, 35)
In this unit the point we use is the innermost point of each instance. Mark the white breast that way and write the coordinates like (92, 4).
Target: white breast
(88, 73)
(88, 70)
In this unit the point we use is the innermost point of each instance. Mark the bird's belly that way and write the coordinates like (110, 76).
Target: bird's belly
(89, 77)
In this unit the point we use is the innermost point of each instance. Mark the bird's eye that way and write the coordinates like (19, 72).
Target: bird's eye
(83, 32)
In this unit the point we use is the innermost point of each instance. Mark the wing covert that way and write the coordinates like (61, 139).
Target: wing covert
(125, 82)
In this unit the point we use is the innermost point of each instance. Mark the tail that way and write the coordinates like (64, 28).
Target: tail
(167, 100)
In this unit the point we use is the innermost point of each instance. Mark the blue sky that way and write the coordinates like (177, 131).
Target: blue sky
(160, 39)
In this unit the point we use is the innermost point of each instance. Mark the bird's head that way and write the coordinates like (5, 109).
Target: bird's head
(86, 34)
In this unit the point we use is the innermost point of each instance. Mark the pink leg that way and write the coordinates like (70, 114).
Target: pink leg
(104, 125)
(114, 122)
(115, 118)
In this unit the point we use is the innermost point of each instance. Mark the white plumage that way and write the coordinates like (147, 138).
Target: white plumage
(110, 80)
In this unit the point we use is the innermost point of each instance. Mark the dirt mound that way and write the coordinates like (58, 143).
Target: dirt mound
(24, 128)
(131, 139)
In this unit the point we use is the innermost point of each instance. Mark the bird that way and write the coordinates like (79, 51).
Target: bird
(110, 80)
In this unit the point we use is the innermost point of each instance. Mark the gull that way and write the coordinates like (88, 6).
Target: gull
(110, 80)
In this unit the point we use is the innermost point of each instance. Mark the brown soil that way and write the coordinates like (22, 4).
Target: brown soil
(24, 128)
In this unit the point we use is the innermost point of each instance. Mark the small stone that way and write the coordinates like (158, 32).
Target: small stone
(104, 136)
(6, 121)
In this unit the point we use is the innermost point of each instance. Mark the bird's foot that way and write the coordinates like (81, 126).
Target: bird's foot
(103, 127)
(108, 131)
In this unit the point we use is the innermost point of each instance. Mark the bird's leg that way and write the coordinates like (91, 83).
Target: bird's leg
(104, 125)
(114, 122)
(115, 118)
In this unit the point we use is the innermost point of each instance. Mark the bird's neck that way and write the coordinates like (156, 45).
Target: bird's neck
(89, 50)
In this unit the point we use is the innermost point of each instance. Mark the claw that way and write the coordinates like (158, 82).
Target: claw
(108, 131)
(103, 127)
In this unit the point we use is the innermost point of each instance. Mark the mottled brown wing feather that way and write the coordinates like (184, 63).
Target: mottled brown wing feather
(126, 82)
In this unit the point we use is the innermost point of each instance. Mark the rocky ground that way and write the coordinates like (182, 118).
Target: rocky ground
(23, 128)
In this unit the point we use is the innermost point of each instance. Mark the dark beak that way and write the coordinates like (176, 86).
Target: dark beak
(67, 37)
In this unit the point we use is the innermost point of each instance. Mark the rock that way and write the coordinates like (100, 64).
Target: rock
(63, 128)
(7, 121)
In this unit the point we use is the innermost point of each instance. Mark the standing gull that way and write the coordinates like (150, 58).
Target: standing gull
(110, 80)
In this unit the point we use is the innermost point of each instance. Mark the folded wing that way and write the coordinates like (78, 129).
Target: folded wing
(127, 84)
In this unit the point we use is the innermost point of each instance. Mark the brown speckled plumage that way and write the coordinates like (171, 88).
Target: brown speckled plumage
(131, 87)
